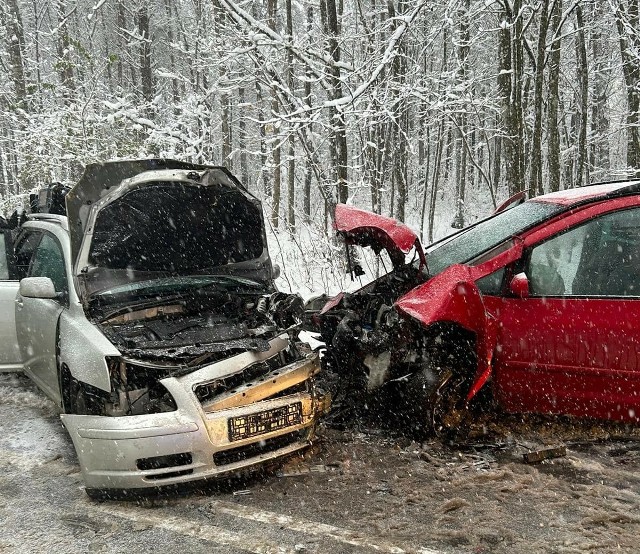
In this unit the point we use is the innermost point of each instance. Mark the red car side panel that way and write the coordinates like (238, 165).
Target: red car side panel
(568, 356)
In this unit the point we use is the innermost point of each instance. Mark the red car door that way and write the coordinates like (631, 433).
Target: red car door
(573, 345)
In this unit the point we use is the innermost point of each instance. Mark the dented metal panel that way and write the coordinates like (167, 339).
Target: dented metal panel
(110, 448)
(266, 386)
(368, 229)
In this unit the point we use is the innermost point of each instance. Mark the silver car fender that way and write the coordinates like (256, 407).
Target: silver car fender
(83, 349)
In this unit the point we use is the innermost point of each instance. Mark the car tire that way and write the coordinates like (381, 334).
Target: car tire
(99, 495)
(82, 401)
(435, 400)
(448, 413)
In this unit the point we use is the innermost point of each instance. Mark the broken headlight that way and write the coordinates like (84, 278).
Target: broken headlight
(136, 389)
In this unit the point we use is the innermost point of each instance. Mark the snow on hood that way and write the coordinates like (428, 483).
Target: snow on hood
(369, 229)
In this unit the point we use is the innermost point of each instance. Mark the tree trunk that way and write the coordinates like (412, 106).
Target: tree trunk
(437, 164)
(582, 102)
(146, 74)
(175, 92)
(600, 160)
(262, 131)
(308, 173)
(553, 95)
(462, 54)
(291, 161)
(226, 129)
(338, 136)
(242, 137)
(120, 25)
(272, 9)
(36, 43)
(64, 65)
(627, 25)
(16, 51)
(510, 78)
(535, 181)
(399, 128)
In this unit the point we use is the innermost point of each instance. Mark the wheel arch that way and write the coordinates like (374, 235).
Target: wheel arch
(452, 298)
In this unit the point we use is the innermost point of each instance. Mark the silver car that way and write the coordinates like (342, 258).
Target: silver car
(148, 313)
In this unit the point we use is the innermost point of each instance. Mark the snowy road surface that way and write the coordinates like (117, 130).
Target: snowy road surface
(355, 492)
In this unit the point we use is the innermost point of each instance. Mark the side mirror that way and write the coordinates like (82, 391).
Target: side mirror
(276, 271)
(37, 287)
(519, 285)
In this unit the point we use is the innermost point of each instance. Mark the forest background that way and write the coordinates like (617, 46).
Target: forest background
(433, 112)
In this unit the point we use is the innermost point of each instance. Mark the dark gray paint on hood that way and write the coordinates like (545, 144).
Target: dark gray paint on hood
(104, 186)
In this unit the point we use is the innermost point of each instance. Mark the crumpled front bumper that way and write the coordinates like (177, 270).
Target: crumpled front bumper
(259, 421)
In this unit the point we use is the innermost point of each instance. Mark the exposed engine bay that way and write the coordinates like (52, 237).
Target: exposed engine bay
(180, 336)
(364, 332)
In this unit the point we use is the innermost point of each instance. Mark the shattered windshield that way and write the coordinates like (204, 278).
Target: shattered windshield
(473, 241)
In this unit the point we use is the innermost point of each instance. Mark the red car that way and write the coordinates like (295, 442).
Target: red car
(540, 302)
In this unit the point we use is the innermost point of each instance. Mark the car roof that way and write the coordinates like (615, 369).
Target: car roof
(595, 192)
(55, 219)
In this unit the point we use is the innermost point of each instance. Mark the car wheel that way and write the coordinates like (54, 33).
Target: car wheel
(97, 494)
(449, 415)
(414, 406)
(83, 402)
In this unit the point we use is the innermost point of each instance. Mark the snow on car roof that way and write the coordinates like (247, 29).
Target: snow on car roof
(572, 196)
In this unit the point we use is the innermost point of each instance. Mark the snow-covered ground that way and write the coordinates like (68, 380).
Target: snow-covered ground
(356, 491)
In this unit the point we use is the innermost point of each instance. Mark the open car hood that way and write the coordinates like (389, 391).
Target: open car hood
(141, 220)
(379, 232)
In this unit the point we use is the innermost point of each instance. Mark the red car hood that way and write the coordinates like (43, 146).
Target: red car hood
(368, 229)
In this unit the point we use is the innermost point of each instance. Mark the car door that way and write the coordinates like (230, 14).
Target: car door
(37, 318)
(10, 358)
(573, 345)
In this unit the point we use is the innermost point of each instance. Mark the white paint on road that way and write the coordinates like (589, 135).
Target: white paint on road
(309, 527)
(183, 526)
(252, 541)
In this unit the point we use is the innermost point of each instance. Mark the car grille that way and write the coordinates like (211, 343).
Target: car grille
(209, 391)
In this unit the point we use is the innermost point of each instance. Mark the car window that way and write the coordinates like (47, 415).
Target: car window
(598, 258)
(491, 284)
(472, 242)
(25, 248)
(49, 262)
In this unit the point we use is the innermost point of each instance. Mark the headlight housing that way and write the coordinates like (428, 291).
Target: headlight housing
(137, 390)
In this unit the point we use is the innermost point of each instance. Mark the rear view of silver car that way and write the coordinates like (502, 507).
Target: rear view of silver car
(149, 314)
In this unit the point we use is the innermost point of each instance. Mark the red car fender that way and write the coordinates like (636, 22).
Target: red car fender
(453, 296)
